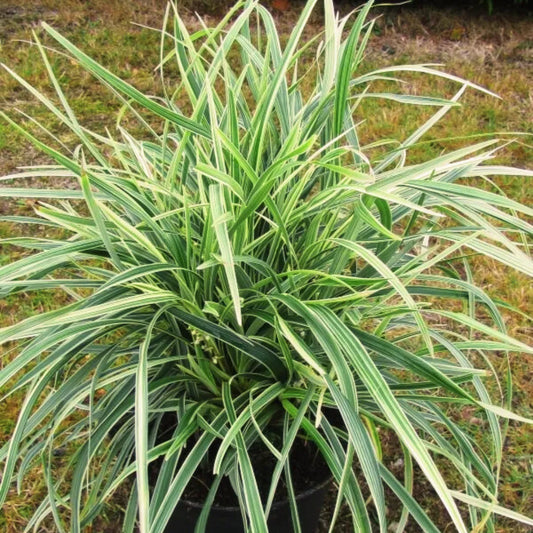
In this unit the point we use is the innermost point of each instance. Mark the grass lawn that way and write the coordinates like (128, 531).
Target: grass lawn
(495, 52)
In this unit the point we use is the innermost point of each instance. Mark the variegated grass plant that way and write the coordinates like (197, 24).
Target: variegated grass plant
(249, 262)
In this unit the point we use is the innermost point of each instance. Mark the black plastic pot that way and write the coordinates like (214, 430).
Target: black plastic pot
(229, 519)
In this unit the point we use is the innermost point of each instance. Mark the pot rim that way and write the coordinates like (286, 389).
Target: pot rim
(275, 505)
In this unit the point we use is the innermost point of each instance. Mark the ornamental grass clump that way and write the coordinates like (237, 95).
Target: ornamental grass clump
(252, 271)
